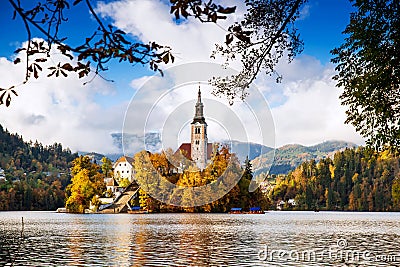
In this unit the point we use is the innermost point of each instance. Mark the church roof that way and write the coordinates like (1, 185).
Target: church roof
(186, 149)
(124, 159)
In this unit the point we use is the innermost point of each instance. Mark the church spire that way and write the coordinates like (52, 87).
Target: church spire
(199, 96)
(199, 116)
(199, 140)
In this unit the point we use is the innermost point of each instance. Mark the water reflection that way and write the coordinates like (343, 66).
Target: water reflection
(139, 238)
(52, 239)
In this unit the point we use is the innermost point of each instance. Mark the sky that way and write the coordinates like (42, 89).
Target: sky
(303, 109)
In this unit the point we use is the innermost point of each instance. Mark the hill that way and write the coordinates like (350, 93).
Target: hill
(252, 150)
(356, 179)
(133, 143)
(34, 176)
(288, 157)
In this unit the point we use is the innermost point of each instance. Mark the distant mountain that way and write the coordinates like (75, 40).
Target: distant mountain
(243, 149)
(288, 157)
(94, 155)
(133, 143)
(285, 158)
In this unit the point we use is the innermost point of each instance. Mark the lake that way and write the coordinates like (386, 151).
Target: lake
(271, 239)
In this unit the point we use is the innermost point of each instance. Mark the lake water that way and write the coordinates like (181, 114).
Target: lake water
(271, 239)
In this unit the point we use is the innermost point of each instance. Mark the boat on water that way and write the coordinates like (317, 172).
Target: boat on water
(137, 210)
(256, 210)
(236, 211)
(252, 210)
(62, 210)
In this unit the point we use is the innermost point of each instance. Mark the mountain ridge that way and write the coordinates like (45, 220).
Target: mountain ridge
(288, 157)
(284, 158)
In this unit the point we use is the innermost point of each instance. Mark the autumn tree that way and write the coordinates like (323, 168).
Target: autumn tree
(368, 66)
(356, 179)
(396, 193)
(146, 202)
(106, 166)
(145, 175)
(35, 175)
(221, 177)
(87, 183)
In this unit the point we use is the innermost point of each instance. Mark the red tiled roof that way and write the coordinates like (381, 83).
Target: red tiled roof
(186, 149)
(124, 159)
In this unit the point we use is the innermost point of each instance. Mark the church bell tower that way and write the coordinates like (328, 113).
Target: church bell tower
(199, 139)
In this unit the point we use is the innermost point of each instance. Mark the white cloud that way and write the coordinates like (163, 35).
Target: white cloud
(150, 20)
(305, 12)
(311, 112)
(305, 105)
(59, 110)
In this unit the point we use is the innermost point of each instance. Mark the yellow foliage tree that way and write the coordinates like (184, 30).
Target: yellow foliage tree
(86, 183)
(396, 193)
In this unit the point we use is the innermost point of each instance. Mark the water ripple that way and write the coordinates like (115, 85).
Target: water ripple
(288, 238)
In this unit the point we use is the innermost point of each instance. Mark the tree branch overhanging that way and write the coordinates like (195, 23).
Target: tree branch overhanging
(105, 44)
(261, 39)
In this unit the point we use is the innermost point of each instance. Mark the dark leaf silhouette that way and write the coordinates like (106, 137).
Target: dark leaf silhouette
(106, 43)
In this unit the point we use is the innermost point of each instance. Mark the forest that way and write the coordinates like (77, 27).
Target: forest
(157, 178)
(35, 176)
(357, 179)
(235, 183)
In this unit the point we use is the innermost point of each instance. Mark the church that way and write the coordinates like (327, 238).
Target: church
(198, 150)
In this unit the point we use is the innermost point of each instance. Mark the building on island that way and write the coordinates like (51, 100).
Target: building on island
(123, 168)
(198, 150)
(112, 186)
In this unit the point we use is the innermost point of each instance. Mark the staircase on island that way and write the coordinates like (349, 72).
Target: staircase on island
(121, 203)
